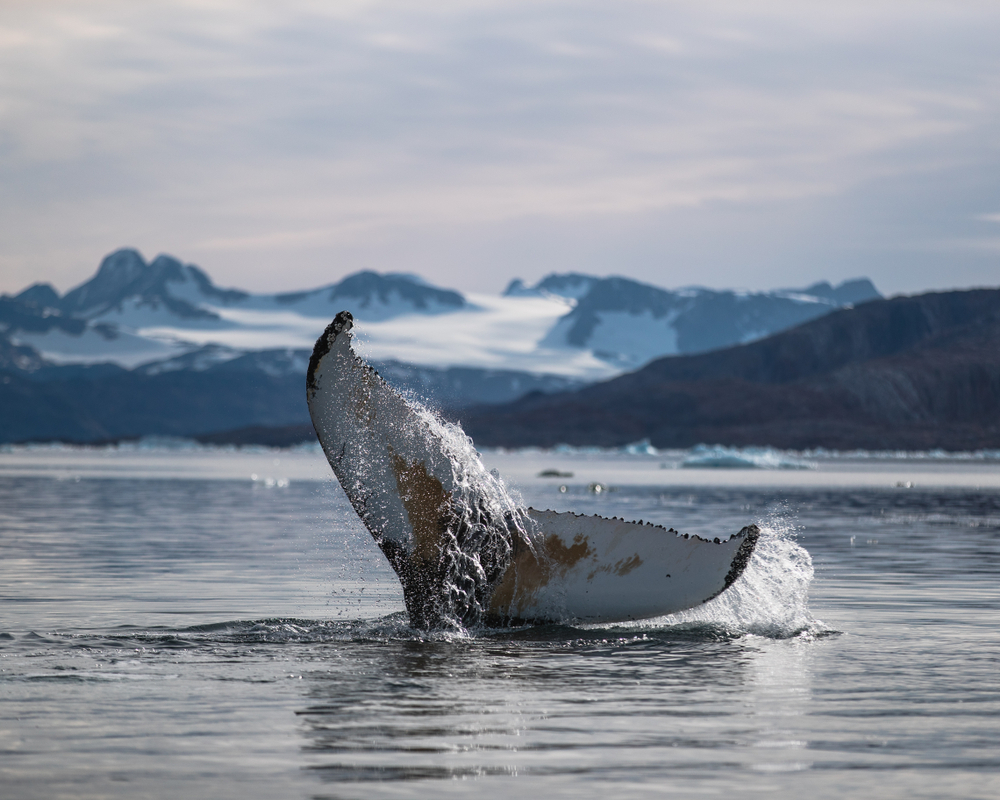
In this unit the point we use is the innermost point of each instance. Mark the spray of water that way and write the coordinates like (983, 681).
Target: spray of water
(485, 522)
(771, 598)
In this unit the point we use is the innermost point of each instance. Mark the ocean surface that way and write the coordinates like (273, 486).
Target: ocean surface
(198, 623)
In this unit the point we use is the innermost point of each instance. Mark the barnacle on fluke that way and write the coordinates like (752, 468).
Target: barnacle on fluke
(464, 550)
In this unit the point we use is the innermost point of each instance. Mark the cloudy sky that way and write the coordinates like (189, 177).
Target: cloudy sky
(282, 146)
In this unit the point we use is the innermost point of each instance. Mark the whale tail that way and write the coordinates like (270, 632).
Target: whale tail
(464, 550)
(446, 525)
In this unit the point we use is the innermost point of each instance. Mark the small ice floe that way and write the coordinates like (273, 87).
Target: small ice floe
(719, 457)
(641, 448)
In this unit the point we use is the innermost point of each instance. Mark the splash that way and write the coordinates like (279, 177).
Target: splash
(486, 520)
(771, 598)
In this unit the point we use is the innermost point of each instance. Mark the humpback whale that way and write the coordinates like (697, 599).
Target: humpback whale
(465, 552)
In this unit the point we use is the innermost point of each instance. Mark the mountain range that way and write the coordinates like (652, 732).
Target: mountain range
(157, 348)
(627, 323)
(132, 313)
(907, 373)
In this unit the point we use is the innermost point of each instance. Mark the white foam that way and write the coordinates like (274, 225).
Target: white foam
(771, 597)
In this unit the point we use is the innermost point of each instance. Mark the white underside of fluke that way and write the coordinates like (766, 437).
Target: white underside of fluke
(606, 570)
(462, 549)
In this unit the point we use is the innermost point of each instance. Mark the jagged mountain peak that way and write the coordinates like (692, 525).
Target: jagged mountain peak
(39, 295)
(377, 296)
(125, 275)
(118, 271)
(369, 286)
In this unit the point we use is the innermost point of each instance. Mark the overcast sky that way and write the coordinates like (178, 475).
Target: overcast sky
(283, 146)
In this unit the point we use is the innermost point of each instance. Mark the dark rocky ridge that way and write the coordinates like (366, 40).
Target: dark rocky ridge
(256, 397)
(909, 373)
(19, 314)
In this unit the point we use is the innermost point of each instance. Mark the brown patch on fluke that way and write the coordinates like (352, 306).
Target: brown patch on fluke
(626, 565)
(564, 556)
(622, 567)
(428, 507)
(519, 584)
(527, 574)
(426, 503)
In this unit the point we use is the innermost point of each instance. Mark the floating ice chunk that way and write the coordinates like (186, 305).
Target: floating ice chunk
(641, 448)
(719, 457)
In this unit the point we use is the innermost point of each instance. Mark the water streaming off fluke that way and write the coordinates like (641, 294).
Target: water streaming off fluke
(465, 550)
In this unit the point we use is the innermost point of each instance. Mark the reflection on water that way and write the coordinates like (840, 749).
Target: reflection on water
(531, 702)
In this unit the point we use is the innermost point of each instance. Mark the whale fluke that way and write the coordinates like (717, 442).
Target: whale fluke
(465, 552)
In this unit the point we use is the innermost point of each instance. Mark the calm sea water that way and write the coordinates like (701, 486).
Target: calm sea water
(213, 624)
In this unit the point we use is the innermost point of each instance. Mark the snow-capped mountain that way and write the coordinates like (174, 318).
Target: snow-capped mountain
(129, 292)
(627, 323)
(580, 327)
(132, 312)
(34, 319)
(376, 297)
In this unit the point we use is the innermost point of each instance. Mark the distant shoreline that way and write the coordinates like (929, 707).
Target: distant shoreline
(287, 437)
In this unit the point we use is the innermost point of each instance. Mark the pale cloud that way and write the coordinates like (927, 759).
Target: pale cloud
(282, 147)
